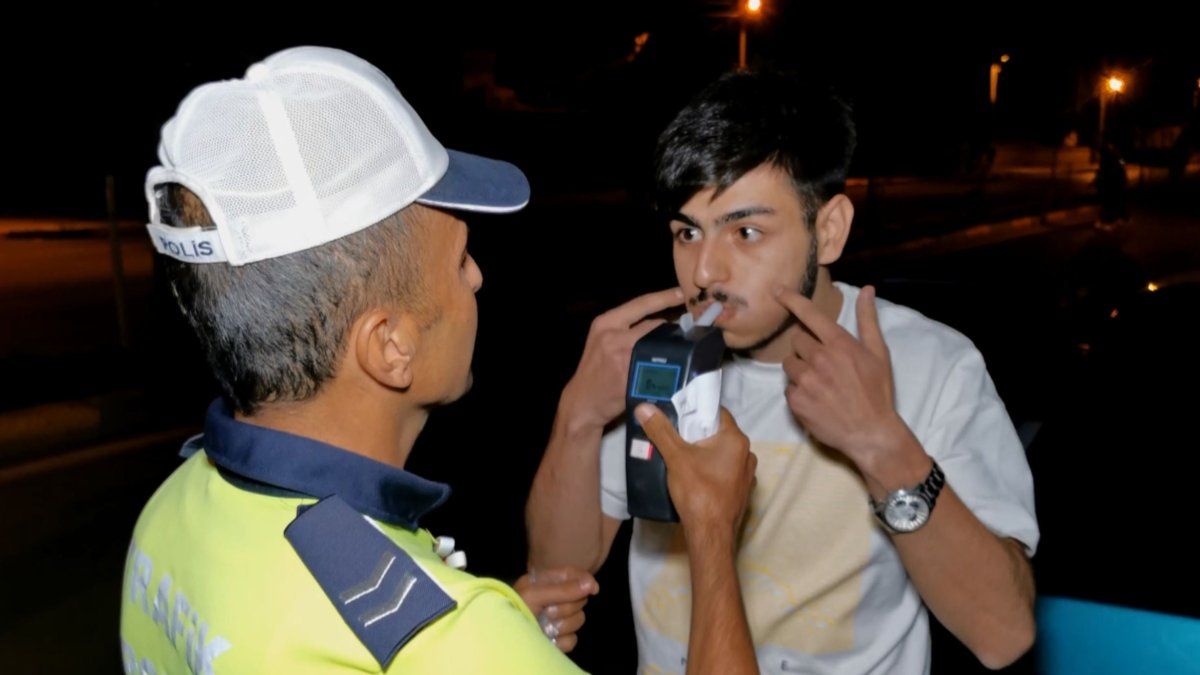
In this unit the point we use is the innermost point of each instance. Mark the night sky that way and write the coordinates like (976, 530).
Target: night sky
(88, 90)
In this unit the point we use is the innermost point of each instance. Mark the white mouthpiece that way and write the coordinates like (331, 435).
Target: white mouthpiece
(710, 315)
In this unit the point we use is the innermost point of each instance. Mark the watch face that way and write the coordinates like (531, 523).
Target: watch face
(906, 512)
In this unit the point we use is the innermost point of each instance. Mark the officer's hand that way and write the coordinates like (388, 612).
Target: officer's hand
(556, 597)
(596, 393)
(710, 481)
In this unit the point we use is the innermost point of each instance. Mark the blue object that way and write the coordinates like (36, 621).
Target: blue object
(1089, 638)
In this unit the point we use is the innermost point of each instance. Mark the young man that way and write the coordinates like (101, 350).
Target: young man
(305, 212)
(890, 477)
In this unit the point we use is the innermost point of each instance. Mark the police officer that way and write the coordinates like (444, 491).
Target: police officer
(306, 218)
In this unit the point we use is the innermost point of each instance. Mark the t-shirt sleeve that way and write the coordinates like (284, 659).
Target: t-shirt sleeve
(972, 438)
(614, 500)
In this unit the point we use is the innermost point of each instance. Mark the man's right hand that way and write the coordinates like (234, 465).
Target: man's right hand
(596, 393)
(710, 481)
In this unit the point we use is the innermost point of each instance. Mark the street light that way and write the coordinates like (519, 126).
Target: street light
(994, 78)
(751, 9)
(1113, 85)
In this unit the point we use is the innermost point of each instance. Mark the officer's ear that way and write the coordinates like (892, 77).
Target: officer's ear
(385, 344)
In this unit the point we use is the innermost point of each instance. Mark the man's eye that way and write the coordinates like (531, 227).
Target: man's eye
(749, 233)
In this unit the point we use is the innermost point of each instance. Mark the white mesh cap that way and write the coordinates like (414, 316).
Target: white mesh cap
(313, 144)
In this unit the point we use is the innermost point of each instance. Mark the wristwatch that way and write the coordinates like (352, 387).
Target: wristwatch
(907, 510)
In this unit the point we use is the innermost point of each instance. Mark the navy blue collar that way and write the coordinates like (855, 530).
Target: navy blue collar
(309, 467)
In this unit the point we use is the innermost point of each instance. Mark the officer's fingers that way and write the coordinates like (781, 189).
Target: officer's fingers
(543, 594)
(570, 624)
(556, 602)
(563, 610)
(728, 424)
(729, 437)
(566, 643)
(565, 573)
(523, 584)
(659, 430)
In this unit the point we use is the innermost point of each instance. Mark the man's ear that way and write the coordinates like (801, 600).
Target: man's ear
(385, 345)
(833, 228)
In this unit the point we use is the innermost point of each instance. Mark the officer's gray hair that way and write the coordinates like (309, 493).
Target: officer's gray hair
(275, 330)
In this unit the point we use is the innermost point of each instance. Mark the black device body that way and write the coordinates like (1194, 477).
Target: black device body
(664, 361)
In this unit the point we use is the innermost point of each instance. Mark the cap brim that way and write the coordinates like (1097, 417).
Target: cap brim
(474, 183)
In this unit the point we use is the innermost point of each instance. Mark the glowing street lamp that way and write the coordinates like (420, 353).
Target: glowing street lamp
(1113, 84)
(752, 9)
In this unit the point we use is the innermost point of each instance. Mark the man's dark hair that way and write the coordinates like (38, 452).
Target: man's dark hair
(275, 330)
(745, 119)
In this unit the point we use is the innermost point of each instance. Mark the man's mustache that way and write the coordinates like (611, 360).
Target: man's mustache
(720, 296)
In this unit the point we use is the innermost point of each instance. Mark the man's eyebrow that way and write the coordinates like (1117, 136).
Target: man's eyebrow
(679, 216)
(740, 214)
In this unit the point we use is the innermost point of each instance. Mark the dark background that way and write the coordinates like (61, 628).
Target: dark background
(972, 213)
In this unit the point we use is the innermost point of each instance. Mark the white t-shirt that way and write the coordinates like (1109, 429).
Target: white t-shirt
(824, 588)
